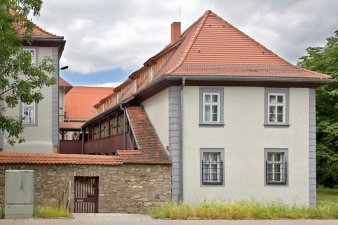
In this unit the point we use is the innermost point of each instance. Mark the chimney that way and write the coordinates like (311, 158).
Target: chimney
(175, 31)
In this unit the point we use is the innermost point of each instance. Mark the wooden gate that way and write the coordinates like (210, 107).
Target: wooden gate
(86, 194)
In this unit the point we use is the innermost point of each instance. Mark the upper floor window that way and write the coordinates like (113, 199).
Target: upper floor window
(32, 51)
(29, 113)
(276, 106)
(211, 106)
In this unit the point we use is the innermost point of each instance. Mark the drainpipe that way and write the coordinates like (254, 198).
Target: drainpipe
(124, 125)
(181, 139)
(82, 140)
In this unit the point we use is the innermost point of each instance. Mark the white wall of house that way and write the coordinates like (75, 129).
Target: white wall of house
(157, 109)
(243, 139)
(62, 94)
(38, 138)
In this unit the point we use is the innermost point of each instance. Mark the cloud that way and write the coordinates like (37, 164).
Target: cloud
(108, 84)
(106, 34)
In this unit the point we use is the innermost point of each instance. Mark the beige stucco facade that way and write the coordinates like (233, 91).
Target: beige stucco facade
(244, 138)
(157, 109)
(38, 138)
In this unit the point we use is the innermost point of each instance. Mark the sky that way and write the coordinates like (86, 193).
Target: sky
(109, 39)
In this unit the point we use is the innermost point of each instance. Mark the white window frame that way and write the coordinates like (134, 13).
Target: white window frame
(211, 104)
(34, 117)
(218, 164)
(283, 167)
(34, 58)
(276, 164)
(276, 104)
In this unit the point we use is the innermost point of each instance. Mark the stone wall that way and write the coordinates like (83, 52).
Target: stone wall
(128, 188)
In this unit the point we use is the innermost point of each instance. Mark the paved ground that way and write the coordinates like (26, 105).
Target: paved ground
(132, 219)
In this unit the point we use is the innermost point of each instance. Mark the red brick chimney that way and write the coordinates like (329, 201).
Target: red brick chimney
(175, 31)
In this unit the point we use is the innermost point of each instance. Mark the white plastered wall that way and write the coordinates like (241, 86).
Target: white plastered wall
(243, 139)
(38, 138)
(157, 109)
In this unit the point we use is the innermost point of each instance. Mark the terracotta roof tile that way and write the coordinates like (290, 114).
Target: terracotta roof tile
(76, 159)
(215, 47)
(151, 150)
(63, 83)
(71, 125)
(80, 101)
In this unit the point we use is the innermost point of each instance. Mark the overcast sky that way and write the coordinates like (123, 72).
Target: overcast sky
(109, 39)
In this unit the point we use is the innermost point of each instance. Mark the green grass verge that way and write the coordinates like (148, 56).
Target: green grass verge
(327, 195)
(243, 210)
(50, 212)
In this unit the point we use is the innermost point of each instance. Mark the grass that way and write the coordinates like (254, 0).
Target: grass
(327, 195)
(327, 208)
(50, 212)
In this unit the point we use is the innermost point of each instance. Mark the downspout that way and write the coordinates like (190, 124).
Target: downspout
(181, 138)
(82, 140)
(124, 125)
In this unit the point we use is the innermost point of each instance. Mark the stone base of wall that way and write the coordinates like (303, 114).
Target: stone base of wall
(128, 188)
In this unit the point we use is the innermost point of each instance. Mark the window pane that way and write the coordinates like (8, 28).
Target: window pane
(272, 109)
(279, 117)
(270, 157)
(215, 109)
(277, 157)
(214, 98)
(207, 117)
(280, 109)
(272, 117)
(272, 99)
(207, 98)
(214, 117)
(280, 99)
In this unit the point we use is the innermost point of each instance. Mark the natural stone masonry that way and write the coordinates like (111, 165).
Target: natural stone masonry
(129, 188)
(174, 140)
(312, 147)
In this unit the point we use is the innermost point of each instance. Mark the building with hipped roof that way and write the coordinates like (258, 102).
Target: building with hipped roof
(237, 121)
(41, 122)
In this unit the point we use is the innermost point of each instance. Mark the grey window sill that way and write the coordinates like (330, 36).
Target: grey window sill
(211, 124)
(284, 125)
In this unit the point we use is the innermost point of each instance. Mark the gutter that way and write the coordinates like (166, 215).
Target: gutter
(82, 141)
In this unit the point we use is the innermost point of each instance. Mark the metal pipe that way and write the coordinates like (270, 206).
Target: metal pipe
(82, 141)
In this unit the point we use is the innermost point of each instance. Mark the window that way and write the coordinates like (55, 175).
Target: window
(276, 166)
(29, 113)
(32, 51)
(276, 106)
(211, 106)
(212, 167)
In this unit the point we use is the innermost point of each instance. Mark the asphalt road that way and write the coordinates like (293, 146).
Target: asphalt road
(134, 219)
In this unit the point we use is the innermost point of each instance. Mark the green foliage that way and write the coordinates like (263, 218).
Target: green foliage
(20, 79)
(50, 212)
(325, 60)
(327, 195)
(243, 210)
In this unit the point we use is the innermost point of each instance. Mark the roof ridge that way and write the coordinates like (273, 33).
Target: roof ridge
(192, 40)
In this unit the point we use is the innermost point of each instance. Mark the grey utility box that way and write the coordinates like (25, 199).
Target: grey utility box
(19, 193)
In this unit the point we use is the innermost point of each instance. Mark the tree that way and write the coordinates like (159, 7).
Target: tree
(325, 60)
(20, 79)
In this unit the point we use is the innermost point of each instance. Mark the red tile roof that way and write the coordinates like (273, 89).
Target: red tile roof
(80, 101)
(150, 148)
(37, 158)
(70, 125)
(212, 46)
(63, 83)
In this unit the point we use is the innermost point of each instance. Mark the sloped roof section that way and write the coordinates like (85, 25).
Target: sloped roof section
(212, 46)
(80, 101)
(75, 159)
(151, 150)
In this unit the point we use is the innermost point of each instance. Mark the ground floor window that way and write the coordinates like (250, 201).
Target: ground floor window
(212, 166)
(276, 171)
